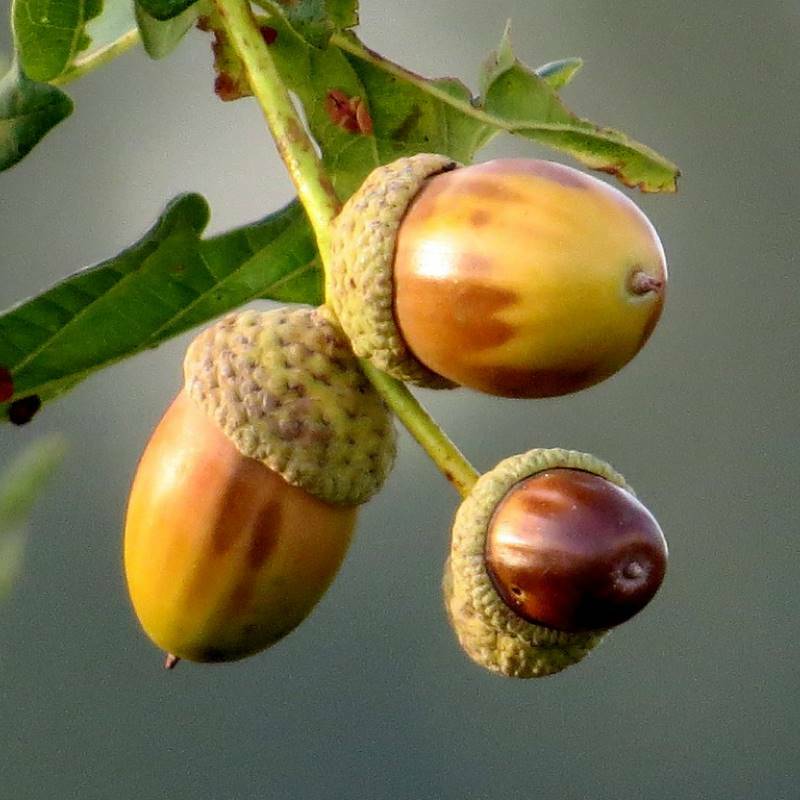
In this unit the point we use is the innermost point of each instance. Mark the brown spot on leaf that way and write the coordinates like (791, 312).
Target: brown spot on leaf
(226, 88)
(403, 130)
(22, 411)
(618, 171)
(269, 35)
(349, 113)
(6, 385)
(231, 81)
(336, 107)
(363, 118)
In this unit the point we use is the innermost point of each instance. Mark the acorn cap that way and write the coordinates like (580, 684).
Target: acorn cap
(285, 388)
(361, 286)
(487, 629)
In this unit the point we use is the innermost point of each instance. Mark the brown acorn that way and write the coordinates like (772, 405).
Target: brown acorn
(550, 550)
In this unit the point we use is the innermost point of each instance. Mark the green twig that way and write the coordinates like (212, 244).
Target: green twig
(296, 149)
(421, 425)
(321, 204)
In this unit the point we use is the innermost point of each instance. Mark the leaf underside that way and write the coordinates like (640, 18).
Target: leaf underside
(165, 9)
(28, 110)
(160, 38)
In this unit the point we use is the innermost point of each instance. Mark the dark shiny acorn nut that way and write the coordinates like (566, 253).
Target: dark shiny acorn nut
(549, 550)
(515, 277)
(572, 551)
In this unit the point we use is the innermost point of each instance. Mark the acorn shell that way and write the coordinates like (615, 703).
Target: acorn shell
(360, 287)
(223, 557)
(487, 629)
(286, 389)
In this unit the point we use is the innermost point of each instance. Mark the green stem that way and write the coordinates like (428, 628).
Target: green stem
(97, 58)
(317, 195)
(421, 425)
(296, 149)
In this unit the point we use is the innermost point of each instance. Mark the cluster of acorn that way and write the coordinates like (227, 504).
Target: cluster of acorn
(519, 278)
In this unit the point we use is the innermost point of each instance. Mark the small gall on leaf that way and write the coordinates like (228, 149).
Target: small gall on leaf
(6, 385)
(349, 113)
(363, 119)
(231, 81)
(227, 89)
(269, 35)
(22, 411)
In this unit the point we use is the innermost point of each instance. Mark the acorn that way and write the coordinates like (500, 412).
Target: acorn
(549, 551)
(245, 499)
(515, 277)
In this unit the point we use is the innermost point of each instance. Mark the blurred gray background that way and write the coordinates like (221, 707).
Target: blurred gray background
(698, 697)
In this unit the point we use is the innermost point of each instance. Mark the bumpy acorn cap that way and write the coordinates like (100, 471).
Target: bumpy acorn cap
(361, 285)
(487, 629)
(286, 389)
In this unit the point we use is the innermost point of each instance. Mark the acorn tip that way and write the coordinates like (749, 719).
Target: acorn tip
(170, 661)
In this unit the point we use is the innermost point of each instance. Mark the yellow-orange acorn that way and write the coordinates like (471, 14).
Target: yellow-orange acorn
(516, 277)
(222, 555)
(234, 530)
